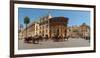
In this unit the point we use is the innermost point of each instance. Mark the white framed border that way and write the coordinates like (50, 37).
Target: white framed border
(34, 51)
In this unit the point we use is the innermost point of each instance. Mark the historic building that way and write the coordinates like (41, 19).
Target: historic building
(54, 26)
(85, 30)
(58, 26)
(44, 25)
(73, 31)
(82, 30)
(30, 31)
(47, 26)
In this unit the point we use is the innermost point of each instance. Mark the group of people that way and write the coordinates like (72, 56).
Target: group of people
(59, 38)
(36, 39)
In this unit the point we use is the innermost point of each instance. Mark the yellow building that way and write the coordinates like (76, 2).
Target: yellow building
(47, 26)
(85, 30)
(79, 31)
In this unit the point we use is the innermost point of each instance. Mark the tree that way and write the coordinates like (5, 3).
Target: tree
(26, 21)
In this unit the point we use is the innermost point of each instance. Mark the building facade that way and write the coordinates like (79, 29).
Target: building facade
(55, 26)
(85, 30)
(82, 30)
(58, 26)
(47, 26)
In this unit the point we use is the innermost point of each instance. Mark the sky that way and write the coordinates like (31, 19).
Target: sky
(76, 17)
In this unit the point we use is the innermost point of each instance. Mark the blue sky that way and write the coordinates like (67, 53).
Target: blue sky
(76, 17)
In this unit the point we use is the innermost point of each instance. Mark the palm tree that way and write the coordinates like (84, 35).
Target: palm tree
(26, 21)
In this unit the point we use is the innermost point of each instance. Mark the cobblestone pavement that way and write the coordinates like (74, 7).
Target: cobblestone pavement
(72, 42)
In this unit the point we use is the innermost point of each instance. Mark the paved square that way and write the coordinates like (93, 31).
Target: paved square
(72, 42)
